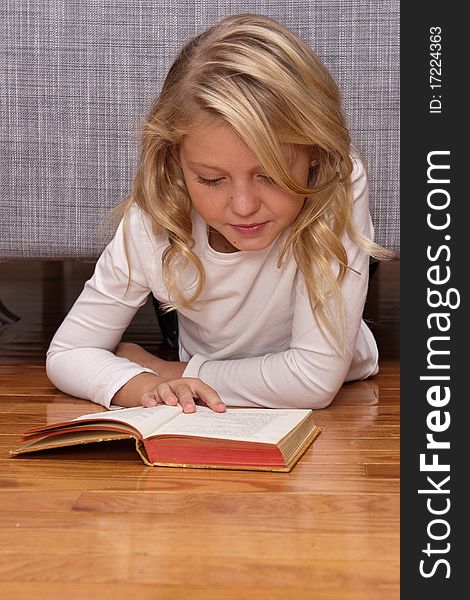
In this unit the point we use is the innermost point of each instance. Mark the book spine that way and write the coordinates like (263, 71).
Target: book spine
(140, 447)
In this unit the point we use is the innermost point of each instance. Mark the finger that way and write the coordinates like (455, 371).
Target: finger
(185, 398)
(166, 394)
(209, 396)
(150, 399)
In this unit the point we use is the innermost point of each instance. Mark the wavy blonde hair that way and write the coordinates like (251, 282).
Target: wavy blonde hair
(258, 77)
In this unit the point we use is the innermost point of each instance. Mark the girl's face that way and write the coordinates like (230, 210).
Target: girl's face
(228, 187)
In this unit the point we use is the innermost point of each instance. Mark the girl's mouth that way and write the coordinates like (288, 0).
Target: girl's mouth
(249, 228)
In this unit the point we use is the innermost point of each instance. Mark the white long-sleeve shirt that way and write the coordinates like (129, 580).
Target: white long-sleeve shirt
(250, 335)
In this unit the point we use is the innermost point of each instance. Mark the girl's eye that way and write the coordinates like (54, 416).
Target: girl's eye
(267, 179)
(205, 181)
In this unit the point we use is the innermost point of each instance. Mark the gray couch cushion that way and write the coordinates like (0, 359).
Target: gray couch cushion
(77, 76)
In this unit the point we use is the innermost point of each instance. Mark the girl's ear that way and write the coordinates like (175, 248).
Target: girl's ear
(312, 169)
(313, 165)
(314, 156)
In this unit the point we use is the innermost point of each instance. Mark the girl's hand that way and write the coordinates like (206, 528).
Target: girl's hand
(183, 391)
(168, 387)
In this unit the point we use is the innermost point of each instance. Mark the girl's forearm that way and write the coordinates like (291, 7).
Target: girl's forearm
(165, 369)
(137, 354)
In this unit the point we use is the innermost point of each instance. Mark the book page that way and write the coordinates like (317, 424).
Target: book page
(244, 424)
(146, 420)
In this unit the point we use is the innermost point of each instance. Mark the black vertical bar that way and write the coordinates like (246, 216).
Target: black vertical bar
(434, 270)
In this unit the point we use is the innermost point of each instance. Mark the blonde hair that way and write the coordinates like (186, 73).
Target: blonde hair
(271, 88)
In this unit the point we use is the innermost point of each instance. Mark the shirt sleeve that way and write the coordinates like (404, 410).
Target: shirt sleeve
(80, 359)
(310, 373)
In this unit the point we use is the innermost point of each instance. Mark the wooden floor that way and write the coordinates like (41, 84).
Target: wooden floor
(85, 524)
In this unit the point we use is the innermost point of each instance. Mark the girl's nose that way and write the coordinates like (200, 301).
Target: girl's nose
(245, 201)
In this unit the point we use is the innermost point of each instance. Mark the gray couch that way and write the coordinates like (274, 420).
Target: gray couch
(77, 76)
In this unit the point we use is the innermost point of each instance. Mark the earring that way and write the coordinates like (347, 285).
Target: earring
(313, 163)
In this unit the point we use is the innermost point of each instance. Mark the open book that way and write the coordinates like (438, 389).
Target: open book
(240, 438)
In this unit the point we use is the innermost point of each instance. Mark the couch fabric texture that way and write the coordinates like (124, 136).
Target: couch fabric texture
(78, 76)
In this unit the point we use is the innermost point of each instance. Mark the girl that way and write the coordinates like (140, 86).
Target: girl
(249, 215)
